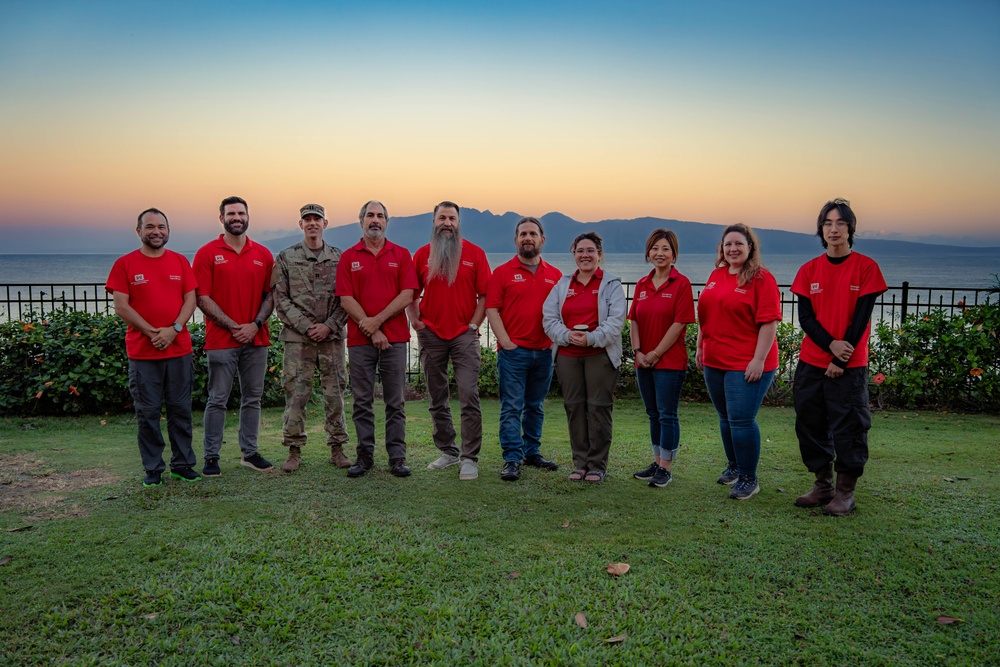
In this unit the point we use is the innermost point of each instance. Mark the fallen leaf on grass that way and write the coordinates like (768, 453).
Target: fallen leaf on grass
(618, 639)
(948, 479)
(799, 635)
(580, 619)
(151, 616)
(235, 640)
(618, 569)
(963, 479)
(19, 529)
(5, 560)
(948, 620)
(513, 575)
(566, 523)
(781, 490)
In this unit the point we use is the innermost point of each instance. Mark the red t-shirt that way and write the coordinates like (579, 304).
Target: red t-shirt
(655, 310)
(156, 287)
(580, 309)
(448, 309)
(730, 316)
(833, 290)
(518, 295)
(236, 282)
(374, 281)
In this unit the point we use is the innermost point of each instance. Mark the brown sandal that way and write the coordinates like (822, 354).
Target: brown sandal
(595, 476)
(577, 475)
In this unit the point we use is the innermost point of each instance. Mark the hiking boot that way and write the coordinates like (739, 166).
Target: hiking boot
(843, 499)
(211, 468)
(539, 461)
(511, 471)
(469, 470)
(361, 466)
(338, 458)
(185, 474)
(822, 491)
(399, 468)
(444, 461)
(729, 475)
(647, 473)
(661, 477)
(745, 488)
(257, 462)
(152, 478)
(294, 459)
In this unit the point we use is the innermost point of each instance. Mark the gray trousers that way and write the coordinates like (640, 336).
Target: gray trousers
(153, 383)
(463, 351)
(588, 385)
(250, 362)
(363, 362)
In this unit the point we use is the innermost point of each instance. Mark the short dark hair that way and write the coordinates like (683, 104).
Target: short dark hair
(233, 200)
(448, 204)
(364, 209)
(541, 230)
(660, 235)
(846, 212)
(138, 221)
(589, 236)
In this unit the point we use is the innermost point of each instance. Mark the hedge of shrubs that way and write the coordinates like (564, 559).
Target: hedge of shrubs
(74, 362)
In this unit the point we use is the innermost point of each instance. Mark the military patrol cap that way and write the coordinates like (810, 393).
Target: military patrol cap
(312, 209)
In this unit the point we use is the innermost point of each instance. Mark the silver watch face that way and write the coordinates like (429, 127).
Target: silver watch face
(178, 328)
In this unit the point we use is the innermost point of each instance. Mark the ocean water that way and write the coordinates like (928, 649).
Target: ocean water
(966, 270)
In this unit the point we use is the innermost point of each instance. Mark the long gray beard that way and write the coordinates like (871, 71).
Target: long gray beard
(446, 256)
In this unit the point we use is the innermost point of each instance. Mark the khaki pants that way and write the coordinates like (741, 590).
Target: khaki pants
(588, 385)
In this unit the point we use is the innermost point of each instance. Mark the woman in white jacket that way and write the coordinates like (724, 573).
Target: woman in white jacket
(584, 315)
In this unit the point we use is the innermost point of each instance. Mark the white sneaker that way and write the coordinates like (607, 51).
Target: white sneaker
(443, 461)
(470, 470)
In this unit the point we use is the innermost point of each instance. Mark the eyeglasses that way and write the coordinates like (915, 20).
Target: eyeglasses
(586, 251)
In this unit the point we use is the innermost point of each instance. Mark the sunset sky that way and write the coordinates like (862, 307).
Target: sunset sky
(710, 111)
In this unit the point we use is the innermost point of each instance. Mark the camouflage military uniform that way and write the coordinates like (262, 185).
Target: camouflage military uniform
(303, 284)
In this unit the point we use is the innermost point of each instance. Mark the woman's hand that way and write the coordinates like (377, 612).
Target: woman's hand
(754, 370)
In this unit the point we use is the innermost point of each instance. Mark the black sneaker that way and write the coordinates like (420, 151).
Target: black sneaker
(362, 466)
(744, 488)
(211, 468)
(539, 461)
(152, 478)
(647, 473)
(257, 462)
(661, 478)
(399, 468)
(729, 475)
(511, 471)
(185, 474)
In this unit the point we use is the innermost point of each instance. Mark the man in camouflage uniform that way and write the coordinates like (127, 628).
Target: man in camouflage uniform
(314, 336)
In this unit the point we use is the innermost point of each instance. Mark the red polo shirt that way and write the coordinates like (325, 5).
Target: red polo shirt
(518, 294)
(654, 310)
(833, 290)
(580, 309)
(155, 287)
(374, 281)
(448, 309)
(236, 282)
(730, 316)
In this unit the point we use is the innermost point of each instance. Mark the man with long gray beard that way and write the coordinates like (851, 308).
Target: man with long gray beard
(234, 293)
(375, 283)
(453, 274)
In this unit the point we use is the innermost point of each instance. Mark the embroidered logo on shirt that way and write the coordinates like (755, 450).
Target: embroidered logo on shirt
(667, 295)
(550, 281)
(642, 295)
(394, 265)
(571, 292)
(258, 262)
(855, 288)
(355, 266)
(219, 259)
(139, 279)
(710, 285)
(518, 278)
(739, 290)
(464, 263)
(174, 277)
(814, 288)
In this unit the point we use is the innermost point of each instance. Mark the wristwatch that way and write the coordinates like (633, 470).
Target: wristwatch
(178, 328)
(257, 321)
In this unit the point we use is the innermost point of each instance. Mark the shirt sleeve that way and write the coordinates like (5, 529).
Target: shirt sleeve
(483, 273)
(344, 285)
(684, 310)
(203, 272)
(767, 306)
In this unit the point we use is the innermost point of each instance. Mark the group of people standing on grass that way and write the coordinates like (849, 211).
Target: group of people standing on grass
(350, 313)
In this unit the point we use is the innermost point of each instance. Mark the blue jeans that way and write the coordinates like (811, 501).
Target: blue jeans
(661, 394)
(525, 376)
(737, 402)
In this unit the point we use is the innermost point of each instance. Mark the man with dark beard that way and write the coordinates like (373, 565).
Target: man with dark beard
(453, 274)
(234, 293)
(514, 301)
(375, 282)
(154, 292)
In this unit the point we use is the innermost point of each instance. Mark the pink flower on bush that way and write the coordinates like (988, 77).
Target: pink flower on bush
(976, 372)
(879, 378)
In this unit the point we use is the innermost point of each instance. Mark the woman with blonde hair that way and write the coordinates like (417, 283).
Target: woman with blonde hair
(738, 315)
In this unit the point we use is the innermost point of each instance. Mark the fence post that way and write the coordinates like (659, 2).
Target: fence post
(906, 298)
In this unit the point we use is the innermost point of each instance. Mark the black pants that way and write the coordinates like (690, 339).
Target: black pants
(832, 418)
(152, 384)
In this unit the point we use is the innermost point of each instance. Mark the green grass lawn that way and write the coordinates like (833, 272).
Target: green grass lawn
(316, 568)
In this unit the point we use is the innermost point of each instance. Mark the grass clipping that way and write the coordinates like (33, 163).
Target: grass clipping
(33, 490)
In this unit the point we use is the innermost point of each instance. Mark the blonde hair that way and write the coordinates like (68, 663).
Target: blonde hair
(753, 266)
